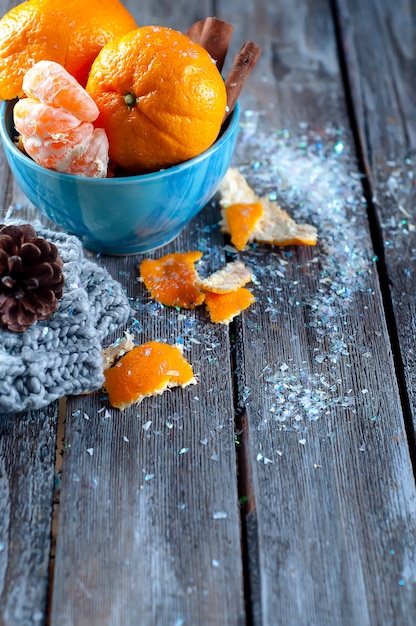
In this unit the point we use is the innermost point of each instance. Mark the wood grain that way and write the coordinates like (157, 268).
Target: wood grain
(163, 518)
(382, 75)
(335, 499)
(27, 456)
(149, 517)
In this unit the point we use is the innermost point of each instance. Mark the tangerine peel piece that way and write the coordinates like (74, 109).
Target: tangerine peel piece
(224, 307)
(227, 279)
(234, 189)
(172, 279)
(116, 350)
(146, 370)
(275, 226)
(240, 221)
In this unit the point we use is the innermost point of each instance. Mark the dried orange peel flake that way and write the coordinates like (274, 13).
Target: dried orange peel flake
(274, 227)
(172, 279)
(227, 279)
(146, 370)
(224, 307)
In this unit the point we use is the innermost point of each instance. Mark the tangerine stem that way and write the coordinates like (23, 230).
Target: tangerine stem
(130, 100)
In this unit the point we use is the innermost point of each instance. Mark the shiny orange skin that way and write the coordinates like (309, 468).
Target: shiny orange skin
(161, 98)
(71, 33)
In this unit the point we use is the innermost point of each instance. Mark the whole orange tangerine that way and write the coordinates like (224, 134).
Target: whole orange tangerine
(161, 98)
(70, 33)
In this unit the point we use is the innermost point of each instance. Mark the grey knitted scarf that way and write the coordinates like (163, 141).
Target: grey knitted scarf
(62, 355)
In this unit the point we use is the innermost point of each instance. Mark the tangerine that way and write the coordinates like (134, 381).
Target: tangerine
(161, 98)
(70, 33)
(146, 370)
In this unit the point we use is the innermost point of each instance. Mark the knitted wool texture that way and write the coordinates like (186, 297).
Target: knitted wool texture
(62, 355)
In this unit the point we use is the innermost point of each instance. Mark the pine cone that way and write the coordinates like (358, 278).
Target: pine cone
(31, 279)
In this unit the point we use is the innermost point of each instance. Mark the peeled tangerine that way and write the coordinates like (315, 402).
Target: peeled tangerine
(146, 370)
(55, 122)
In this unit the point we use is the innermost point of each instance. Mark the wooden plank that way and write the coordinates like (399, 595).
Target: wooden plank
(193, 554)
(332, 498)
(169, 549)
(27, 463)
(27, 456)
(384, 66)
(149, 516)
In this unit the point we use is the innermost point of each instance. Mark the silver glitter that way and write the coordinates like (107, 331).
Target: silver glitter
(313, 177)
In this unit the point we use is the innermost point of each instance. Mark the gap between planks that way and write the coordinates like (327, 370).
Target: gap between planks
(59, 450)
(247, 499)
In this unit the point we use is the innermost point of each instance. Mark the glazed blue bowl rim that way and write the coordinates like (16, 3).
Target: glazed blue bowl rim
(152, 176)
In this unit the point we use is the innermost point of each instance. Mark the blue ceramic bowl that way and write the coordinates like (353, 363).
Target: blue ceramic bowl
(124, 215)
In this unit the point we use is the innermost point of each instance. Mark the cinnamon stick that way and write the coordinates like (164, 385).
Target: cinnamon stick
(194, 31)
(215, 37)
(243, 63)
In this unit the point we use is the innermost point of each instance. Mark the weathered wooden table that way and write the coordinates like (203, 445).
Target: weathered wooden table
(280, 490)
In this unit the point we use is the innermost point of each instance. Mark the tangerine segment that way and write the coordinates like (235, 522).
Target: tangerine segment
(172, 279)
(50, 83)
(224, 307)
(161, 98)
(241, 220)
(148, 369)
(229, 278)
(31, 117)
(94, 161)
(58, 151)
(70, 33)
